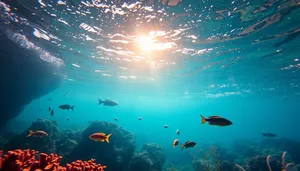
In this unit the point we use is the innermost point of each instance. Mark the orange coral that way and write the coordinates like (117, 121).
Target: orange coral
(25, 160)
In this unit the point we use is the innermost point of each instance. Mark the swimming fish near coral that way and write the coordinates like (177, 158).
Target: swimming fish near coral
(52, 112)
(107, 102)
(68, 119)
(66, 107)
(100, 137)
(175, 143)
(166, 126)
(188, 144)
(216, 120)
(116, 119)
(140, 118)
(49, 108)
(177, 132)
(269, 135)
(37, 133)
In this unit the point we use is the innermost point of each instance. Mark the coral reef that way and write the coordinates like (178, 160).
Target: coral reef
(47, 143)
(116, 154)
(150, 158)
(18, 160)
(67, 141)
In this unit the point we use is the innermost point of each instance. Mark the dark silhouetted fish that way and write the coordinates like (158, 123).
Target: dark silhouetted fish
(52, 112)
(49, 108)
(269, 135)
(107, 102)
(66, 107)
(188, 144)
(216, 120)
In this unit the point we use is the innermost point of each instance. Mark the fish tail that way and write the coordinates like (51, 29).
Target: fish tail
(203, 119)
(100, 101)
(107, 138)
(182, 146)
(72, 107)
(30, 133)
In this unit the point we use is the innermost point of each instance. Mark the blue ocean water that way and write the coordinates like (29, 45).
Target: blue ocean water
(165, 61)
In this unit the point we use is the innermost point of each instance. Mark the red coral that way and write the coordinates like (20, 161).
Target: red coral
(25, 160)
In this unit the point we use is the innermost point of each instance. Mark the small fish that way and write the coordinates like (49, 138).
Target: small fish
(216, 120)
(269, 135)
(52, 112)
(175, 143)
(107, 102)
(68, 119)
(188, 144)
(100, 137)
(166, 126)
(49, 108)
(177, 132)
(66, 107)
(116, 119)
(37, 133)
(140, 118)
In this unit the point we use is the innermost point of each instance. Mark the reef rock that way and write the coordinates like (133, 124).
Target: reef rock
(115, 155)
(24, 77)
(150, 158)
(68, 139)
(46, 144)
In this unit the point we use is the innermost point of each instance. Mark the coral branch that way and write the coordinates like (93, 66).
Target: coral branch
(18, 160)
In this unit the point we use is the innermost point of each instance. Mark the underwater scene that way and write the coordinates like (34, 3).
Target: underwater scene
(150, 85)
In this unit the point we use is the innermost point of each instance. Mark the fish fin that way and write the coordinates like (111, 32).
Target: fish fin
(203, 119)
(72, 107)
(30, 133)
(107, 138)
(214, 117)
(101, 140)
(182, 146)
(100, 101)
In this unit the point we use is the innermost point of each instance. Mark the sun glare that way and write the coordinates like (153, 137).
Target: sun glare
(146, 43)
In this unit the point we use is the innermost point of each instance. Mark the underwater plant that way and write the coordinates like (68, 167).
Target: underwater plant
(210, 156)
(285, 167)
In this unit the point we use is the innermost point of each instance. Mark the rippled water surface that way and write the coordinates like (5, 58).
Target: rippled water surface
(188, 48)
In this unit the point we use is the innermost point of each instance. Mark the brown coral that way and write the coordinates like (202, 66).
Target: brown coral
(25, 160)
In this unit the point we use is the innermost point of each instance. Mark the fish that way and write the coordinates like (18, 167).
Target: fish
(166, 126)
(100, 137)
(37, 133)
(107, 102)
(216, 120)
(116, 119)
(140, 118)
(269, 135)
(49, 108)
(188, 144)
(66, 107)
(68, 119)
(177, 132)
(175, 143)
(52, 112)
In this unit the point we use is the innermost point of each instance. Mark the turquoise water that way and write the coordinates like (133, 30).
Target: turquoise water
(166, 64)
